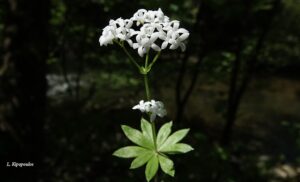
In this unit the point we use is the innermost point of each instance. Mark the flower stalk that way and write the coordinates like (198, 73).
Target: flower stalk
(132, 60)
(148, 97)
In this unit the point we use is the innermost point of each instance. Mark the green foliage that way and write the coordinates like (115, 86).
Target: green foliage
(154, 154)
(58, 12)
(142, 159)
(129, 151)
(173, 139)
(137, 137)
(163, 133)
(152, 167)
(166, 165)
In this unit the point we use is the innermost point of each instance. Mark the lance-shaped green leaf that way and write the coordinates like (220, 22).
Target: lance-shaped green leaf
(163, 133)
(177, 148)
(174, 138)
(152, 167)
(166, 165)
(147, 131)
(141, 159)
(136, 137)
(129, 151)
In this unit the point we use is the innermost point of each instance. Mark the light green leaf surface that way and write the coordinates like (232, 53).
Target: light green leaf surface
(136, 137)
(152, 167)
(163, 133)
(147, 130)
(129, 151)
(174, 138)
(177, 148)
(166, 165)
(142, 159)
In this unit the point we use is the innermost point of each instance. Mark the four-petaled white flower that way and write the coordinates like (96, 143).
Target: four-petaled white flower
(175, 36)
(119, 29)
(154, 108)
(151, 26)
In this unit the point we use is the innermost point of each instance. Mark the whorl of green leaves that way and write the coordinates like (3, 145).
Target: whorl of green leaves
(145, 151)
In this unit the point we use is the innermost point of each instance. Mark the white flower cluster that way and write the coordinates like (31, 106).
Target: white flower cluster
(153, 30)
(155, 108)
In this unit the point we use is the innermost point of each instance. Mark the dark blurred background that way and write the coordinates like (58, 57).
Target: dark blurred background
(63, 97)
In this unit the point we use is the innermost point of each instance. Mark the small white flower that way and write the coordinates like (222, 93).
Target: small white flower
(151, 26)
(160, 17)
(175, 36)
(140, 106)
(117, 29)
(154, 108)
(139, 16)
(145, 39)
(107, 36)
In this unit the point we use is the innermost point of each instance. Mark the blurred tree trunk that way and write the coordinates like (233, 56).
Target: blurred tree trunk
(182, 96)
(26, 51)
(232, 101)
(236, 92)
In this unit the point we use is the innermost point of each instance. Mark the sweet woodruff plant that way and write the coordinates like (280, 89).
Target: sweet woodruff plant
(149, 31)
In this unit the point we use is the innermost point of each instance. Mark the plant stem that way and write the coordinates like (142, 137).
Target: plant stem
(154, 60)
(154, 134)
(146, 82)
(148, 94)
(129, 55)
(148, 97)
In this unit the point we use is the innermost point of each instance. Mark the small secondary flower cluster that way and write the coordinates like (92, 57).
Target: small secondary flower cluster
(154, 30)
(155, 108)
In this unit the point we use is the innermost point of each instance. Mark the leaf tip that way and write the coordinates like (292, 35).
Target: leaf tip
(132, 167)
(172, 173)
(114, 153)
(191, 149)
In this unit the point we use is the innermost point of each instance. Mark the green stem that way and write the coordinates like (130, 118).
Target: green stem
(154, 60)
(154, 134)
(148, 96)
(146, 82)
(147, 60)
(129, 55)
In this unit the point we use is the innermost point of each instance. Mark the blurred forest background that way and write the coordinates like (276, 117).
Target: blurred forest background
(63, 97)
